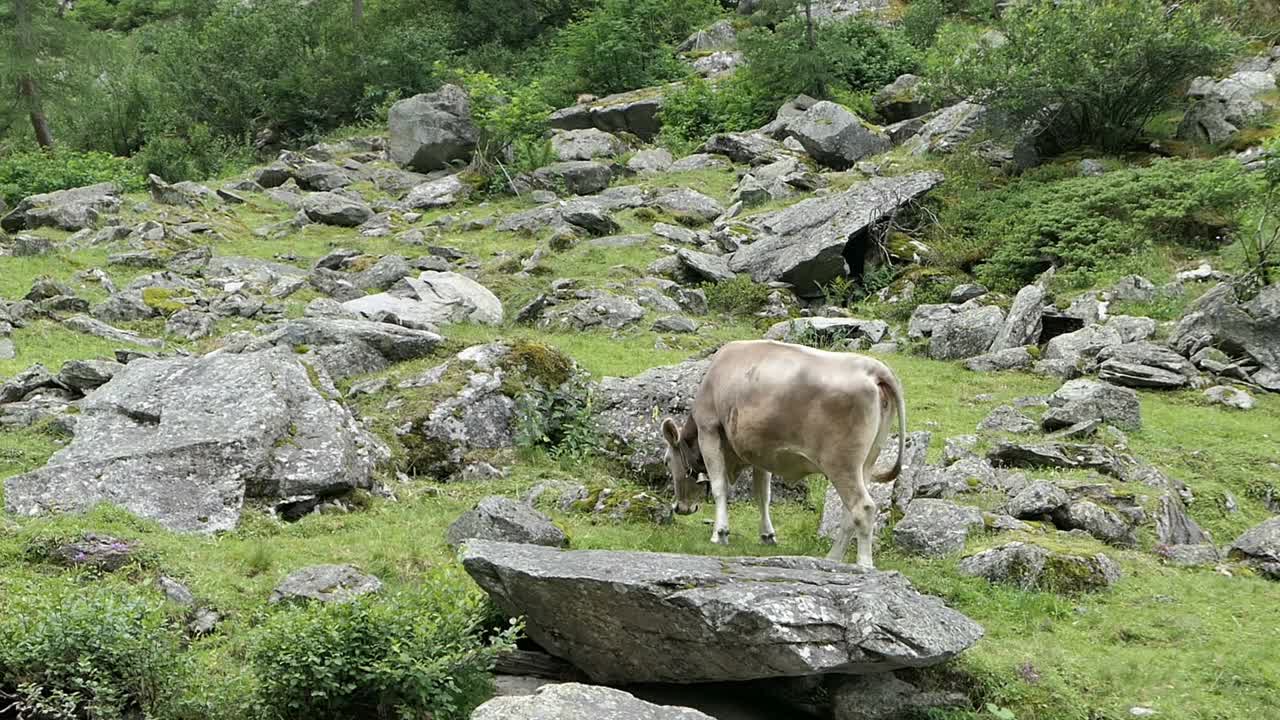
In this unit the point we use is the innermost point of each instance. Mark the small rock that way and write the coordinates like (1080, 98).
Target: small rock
(325, 583)
(1006, 418)
(506, 520)
(1231, 397)
(935, 527)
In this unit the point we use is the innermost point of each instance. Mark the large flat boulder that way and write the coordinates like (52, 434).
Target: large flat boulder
(572, 701)
(835, 137)
(627, 617)
(430, 300)
(432, 130)
(346, 346)
(805, 244)
(635, 112)
(625, 411)
(69, 210)
(1242, 329)
(185, 441)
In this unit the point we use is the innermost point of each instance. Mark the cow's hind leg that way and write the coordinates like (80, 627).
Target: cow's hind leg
(717, 462)
(858, 519)
(761, 489)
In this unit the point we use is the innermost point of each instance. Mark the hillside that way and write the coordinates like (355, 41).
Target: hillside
(232, 393)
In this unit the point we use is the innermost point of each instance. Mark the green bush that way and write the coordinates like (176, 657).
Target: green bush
(194, 153)
(922, 20)
(739, 296)
(698, 109)
(1008, 235)
(853, 55)
(84, 653)
(513, 122)
(513, 23)
(34, 172)
(623, 45)
(411, 654)
(1105, 66)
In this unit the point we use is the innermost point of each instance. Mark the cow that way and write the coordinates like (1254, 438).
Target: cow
(791, 411)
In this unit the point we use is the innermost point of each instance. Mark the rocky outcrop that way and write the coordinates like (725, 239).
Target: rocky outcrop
(1247, 330)
(902, 99)
(431, 131)
(935, 527)
(805, 244)
(585, 144)
(69, 210)
(1223, 108)
(1083, 400)
(1031, 567)
(966, 334)
(430, 300)
(572, 701)
(186, 441)
(324, 583)
(683, 618)
(628, 412)
(1260, 547)
(952, 129)
(635, 112)
(345, 346)
(1144, 365)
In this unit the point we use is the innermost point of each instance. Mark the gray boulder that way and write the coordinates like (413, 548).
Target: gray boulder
(1132, 329)
(87, 375)
(572, 701)
(668, 614)
(835, 137)
(185, 441)
(590, 216)
(505, 520)
(707, 267)
(605, 310)
(575, 177)
(1175, 527)
(1031, 567)
(435, 194)
(27, 381)
(747, 148)
(1144, 365)
(902, 99)
(1083, 345)
(1083, 400)
(329, 208)
(688, 204)
(1230, 397)
(935, 527)
(1221, 109)
(1096, 520)
(1240, 329)
(720, 35)
(1006, 418)
(431, 131)
(585, 144)
(345, 346)
(966, 334)
(951, 129)
(700, 161)
(650, 161)
(1025, 321)
(625, 410)
(1036, 500)
(324, 583)
(69, 210)
(432, 299)
(1260, 546)
(321, 177)
(805, 244)
(828, 330)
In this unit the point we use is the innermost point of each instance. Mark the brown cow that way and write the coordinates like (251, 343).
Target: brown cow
(791, 411)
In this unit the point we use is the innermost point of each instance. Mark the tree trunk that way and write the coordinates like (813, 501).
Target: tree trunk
(28, 88)
(357, 11)
(808, 19)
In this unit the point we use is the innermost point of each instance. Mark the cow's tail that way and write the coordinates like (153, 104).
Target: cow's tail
(892, 390)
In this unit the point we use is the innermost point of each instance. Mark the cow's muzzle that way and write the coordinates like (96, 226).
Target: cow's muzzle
(680, 508)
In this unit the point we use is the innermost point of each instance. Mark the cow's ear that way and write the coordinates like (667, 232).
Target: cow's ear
(670, 432)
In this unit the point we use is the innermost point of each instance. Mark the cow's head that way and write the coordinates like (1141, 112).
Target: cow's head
(684, 460)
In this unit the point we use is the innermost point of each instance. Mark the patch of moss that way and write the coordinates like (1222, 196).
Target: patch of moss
(540, 362)
(1071, 575)
(361, 263)
(425, 456)
(165, 300)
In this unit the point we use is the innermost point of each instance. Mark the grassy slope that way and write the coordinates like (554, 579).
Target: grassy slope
(1192, 643)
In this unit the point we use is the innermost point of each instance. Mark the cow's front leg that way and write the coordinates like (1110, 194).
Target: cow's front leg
(761, 489)
(717, 471)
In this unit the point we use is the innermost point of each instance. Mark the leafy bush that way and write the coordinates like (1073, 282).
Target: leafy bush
(1105, 66)
(558, 420)
(34, 172)
(194, 153)
(513, 22)
(1011, 234)
(739, 296)
(922, 20)
(852, 55)
(624, 44)
(84, 653)
(696, 110)
(512, 121)
(416, 653)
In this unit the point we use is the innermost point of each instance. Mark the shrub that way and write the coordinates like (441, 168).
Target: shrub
(513, 22)
(557, 419)
(922, 20)
(193, 153)
(1083, 224)
(852, 55)
(739, 296)
(416, 653)
(84, 653)
(698, 109)
(1106, 67)
(624, 45)
(34, 172)
(512, 122)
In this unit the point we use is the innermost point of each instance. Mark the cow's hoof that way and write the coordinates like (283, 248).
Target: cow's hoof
(720, 537)
(769, 539)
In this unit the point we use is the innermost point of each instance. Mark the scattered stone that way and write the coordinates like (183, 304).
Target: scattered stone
(635, 112)
(1096, 520)
(935, 527)
(1006, 418)
(572, 701)
(651, 161)
(1144, 365)
(605, 310)
(1017, 358)
(837, 619)
(902, 99)
(690, 205)
(585, 144)
(1083, 400)
(89, 326)
(575, 177)
(1025, 321)
(87, 375)
(828, 331)
(329, 208)
(435, 194)
(675, 324)
(69, 210)
(1037, 500)
(1132, 329)
(99, 552)
(432, 299)
(1231, 397)
(324, 583)
(966, 334)
(625, 410)
(835, 137)
(965, 292)
(1260, 546)
(1076, 348)
(505, 520)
